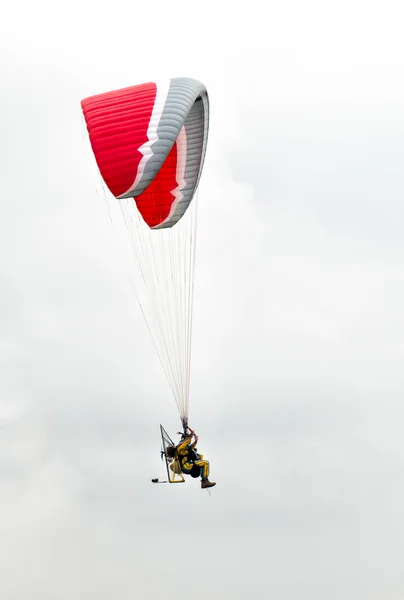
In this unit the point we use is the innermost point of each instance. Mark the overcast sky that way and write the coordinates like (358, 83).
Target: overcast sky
(298, 346)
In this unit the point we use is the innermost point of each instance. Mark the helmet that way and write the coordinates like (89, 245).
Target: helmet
(170, 451)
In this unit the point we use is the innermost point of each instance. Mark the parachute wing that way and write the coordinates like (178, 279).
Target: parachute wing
(149, 142)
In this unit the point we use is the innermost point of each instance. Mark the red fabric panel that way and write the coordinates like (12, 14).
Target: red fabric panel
(155, 202)
(117, 124)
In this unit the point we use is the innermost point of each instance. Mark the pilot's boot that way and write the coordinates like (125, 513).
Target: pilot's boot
(205, 483)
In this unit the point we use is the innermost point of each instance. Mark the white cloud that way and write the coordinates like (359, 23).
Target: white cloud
(298, 340)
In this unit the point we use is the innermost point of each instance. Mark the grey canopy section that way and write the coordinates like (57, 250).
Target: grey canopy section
(186, 105)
